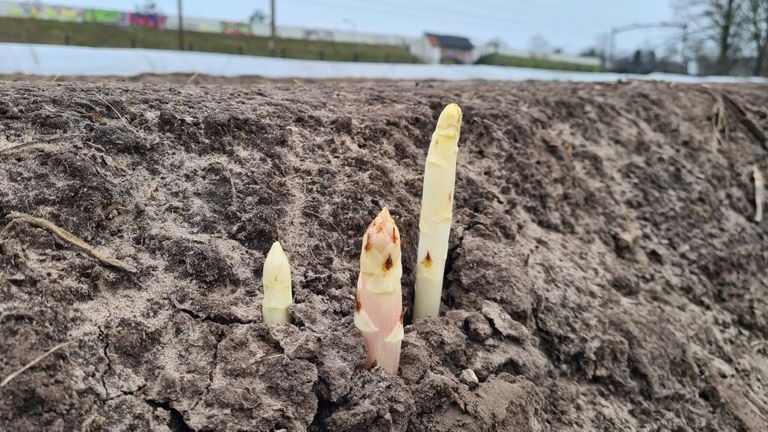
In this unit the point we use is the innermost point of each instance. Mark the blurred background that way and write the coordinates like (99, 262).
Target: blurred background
(696, 37)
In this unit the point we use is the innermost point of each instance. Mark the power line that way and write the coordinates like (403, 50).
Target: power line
(453, 14)
(474, 12)
(516, 8)
(633, 27)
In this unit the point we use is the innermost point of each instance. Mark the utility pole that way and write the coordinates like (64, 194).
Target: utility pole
(273, 39)
(611, 48)
(683, 48)
(181, 27)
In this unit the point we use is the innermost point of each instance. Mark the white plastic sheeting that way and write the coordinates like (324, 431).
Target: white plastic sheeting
(54, 60)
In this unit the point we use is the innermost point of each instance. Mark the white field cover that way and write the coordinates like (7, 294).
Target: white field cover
(52, 60)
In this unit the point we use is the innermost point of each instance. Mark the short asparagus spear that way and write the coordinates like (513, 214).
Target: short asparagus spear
(379, 308)
(277, 286)
(436, 212)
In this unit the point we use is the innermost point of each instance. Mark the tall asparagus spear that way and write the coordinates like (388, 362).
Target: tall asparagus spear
(436, 212)
(379, 308)
(277, 286)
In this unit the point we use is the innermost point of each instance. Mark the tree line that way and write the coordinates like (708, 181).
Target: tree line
(724, 33)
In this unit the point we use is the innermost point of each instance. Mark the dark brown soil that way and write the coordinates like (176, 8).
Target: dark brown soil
(604, 272)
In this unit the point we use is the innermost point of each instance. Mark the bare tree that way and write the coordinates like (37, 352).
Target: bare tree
(718, 21)
(258, 16)
(149, 7)
(539, 44)
(757, 21)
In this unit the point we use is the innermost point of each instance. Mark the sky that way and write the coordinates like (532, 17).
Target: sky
(571, 25)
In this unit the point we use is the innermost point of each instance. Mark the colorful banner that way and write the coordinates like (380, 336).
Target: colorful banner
(146, 20)
(104, 16)
(56, 13)
(235, 28)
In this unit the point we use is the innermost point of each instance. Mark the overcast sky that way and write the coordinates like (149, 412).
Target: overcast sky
(572, 25)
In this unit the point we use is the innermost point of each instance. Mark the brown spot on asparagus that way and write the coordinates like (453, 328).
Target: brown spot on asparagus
(427, 261)
(402, 315)
(394, 235)
(368, 244)
(388, 263)
(358, 306)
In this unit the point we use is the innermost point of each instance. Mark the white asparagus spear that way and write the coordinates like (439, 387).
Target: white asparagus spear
(436, 212)
(277, 286)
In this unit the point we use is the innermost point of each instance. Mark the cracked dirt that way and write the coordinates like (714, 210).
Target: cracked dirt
(604, 271)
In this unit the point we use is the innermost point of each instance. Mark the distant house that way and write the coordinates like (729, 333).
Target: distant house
(453, 49)
(434, 48)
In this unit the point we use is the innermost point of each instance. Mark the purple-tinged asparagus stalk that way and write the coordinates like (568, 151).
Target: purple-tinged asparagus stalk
(379, 308)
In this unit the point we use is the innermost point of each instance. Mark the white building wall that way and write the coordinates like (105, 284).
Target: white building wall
(5, 8)
(424, 51)
(194, 24)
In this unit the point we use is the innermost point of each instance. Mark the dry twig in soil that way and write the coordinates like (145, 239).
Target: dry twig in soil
(113, 109)
(45, 140)
(747, 120)
(71, 239)
(719, 121)
(33, 362)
